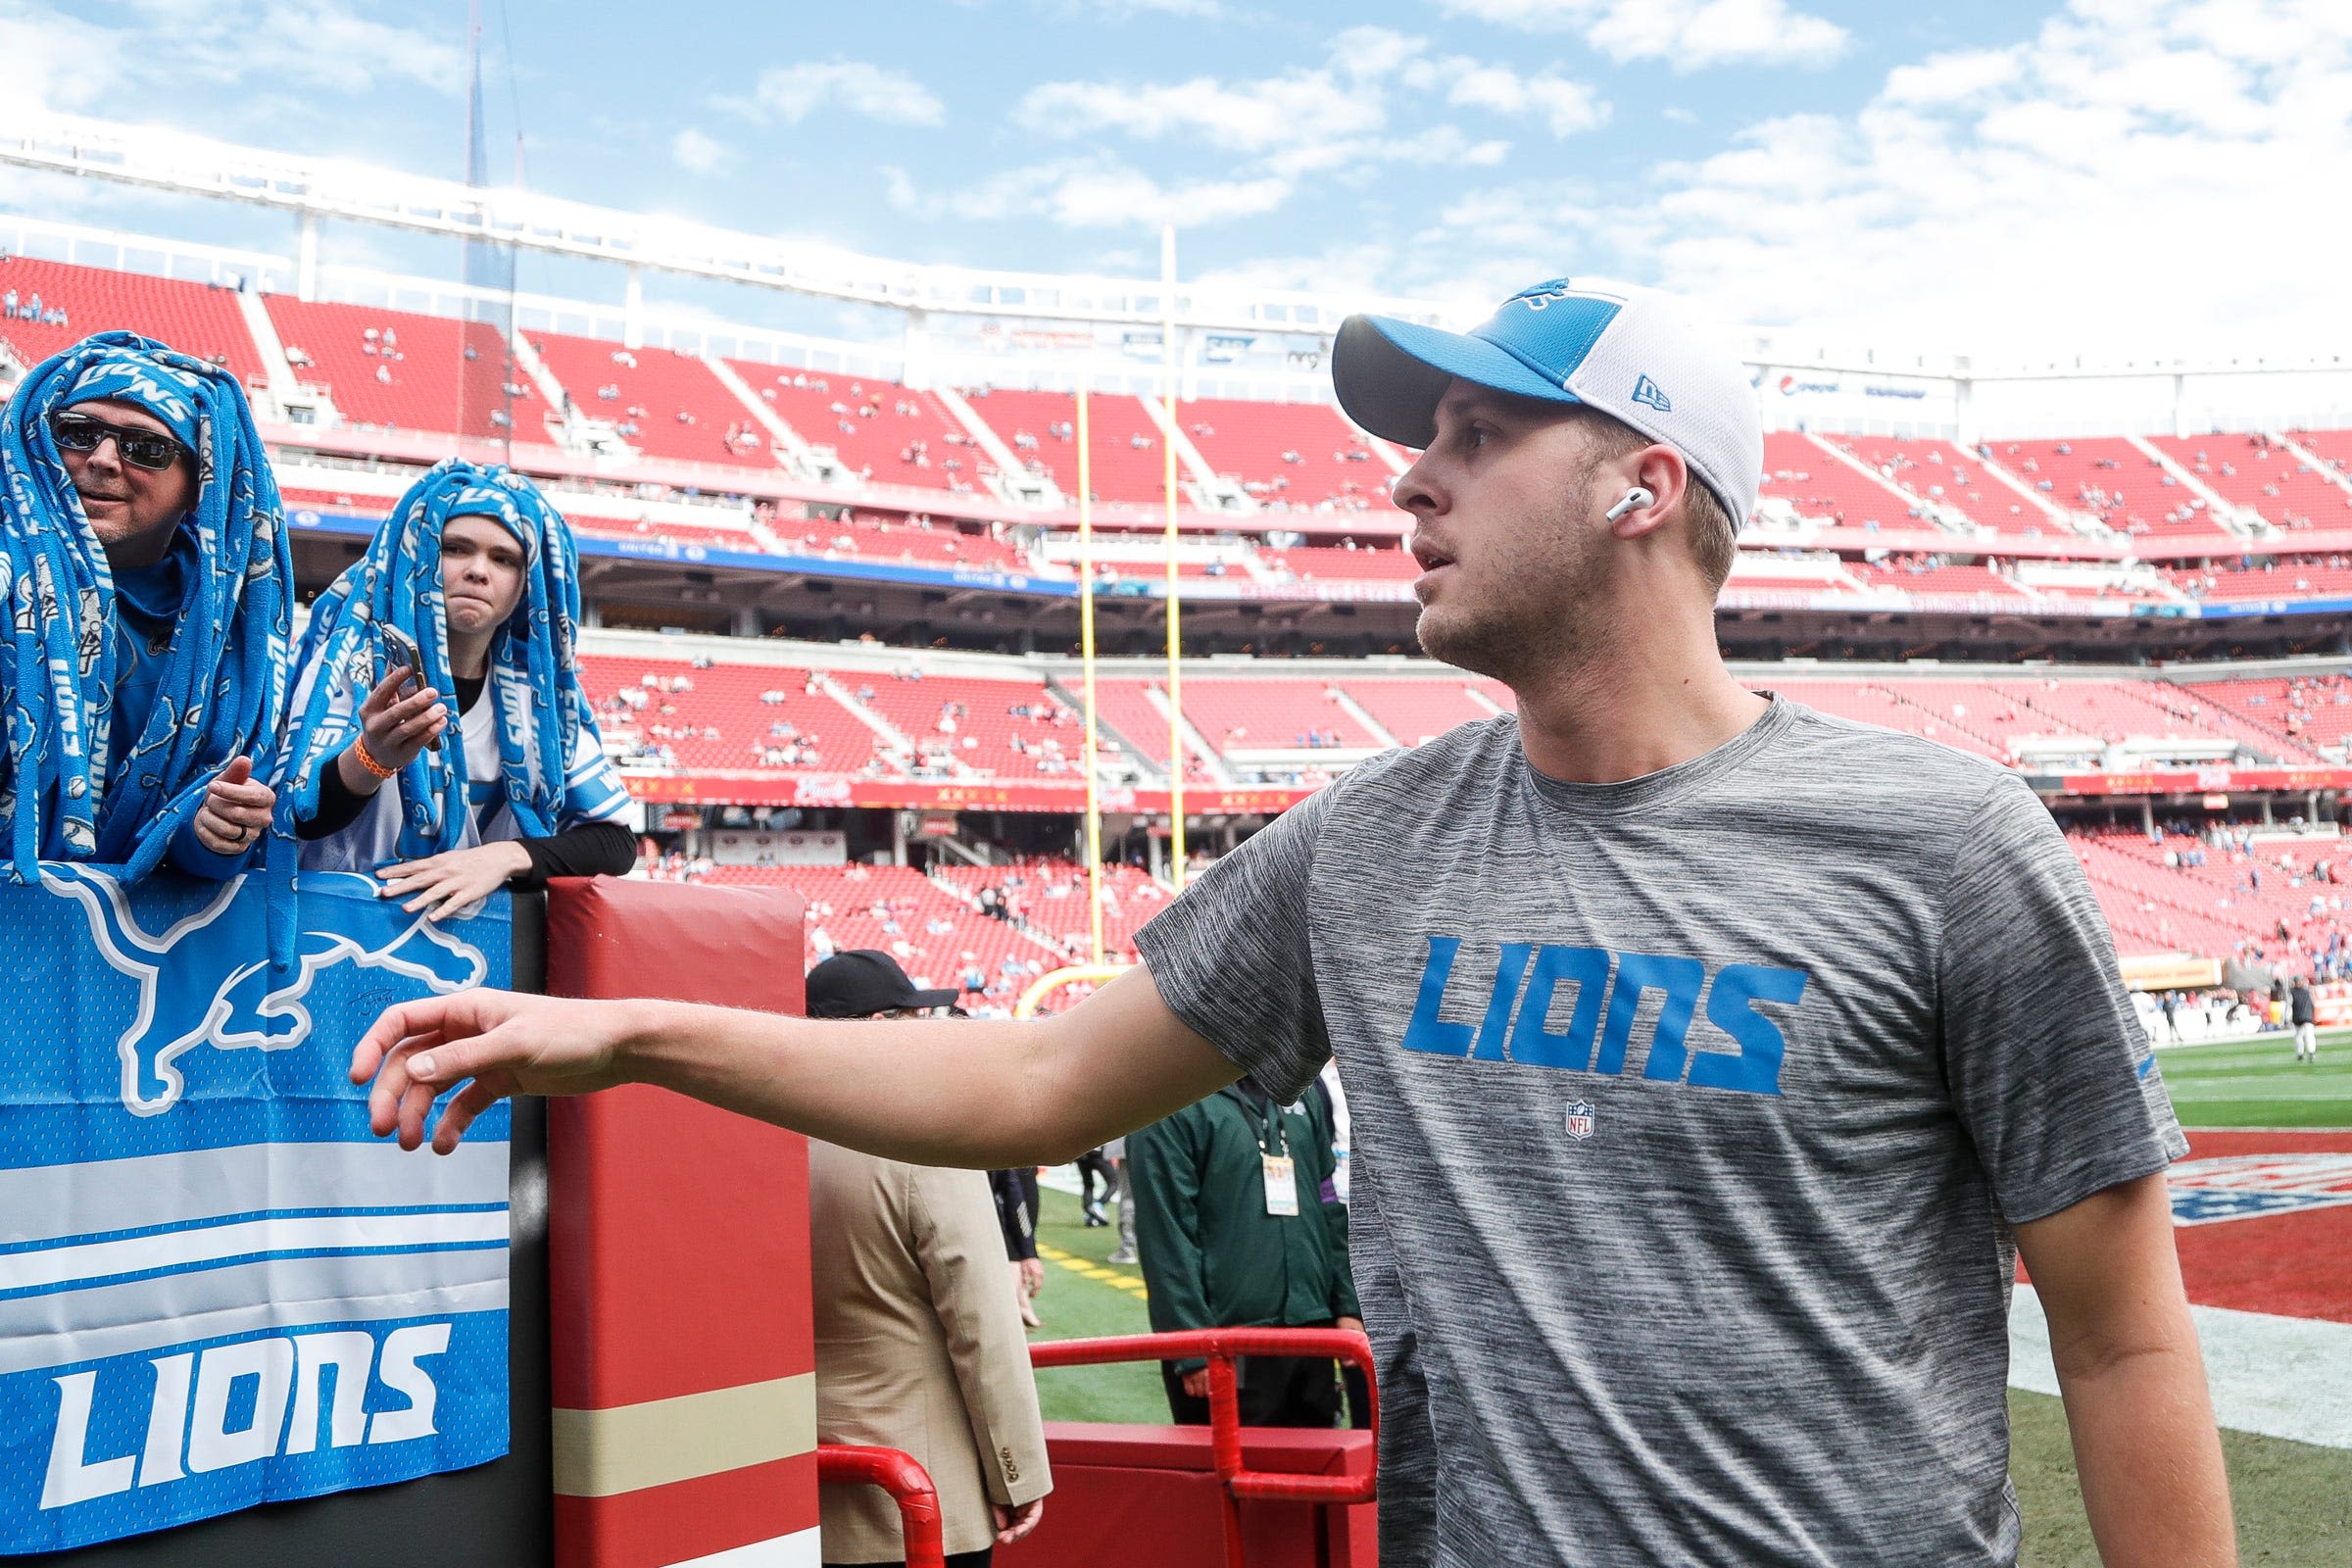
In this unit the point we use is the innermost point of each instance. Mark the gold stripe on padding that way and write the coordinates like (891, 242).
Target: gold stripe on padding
(599, 1453)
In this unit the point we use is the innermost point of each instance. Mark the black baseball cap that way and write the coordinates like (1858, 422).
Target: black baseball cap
(863, 982)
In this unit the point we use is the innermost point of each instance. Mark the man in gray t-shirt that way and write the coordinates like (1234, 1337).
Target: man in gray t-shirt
(1696, 1111)
(1711, 1062)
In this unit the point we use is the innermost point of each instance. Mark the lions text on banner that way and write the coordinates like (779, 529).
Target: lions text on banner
(216, 1288)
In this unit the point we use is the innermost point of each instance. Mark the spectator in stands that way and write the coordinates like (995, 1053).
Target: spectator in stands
(1239, 1226)
(480, 571)
(918, 1345)
(1615, 1303)
(154, 585)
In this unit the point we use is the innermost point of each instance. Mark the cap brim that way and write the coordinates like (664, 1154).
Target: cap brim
(931, 998)
(1390, 375)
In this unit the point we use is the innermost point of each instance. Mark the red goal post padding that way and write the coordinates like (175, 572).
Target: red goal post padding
(683, 1365)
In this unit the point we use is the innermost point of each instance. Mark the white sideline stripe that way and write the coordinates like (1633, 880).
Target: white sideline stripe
(42, 1201)
(21, 1353)
(181, 1250)
(2281, 1377)
(796, 1550)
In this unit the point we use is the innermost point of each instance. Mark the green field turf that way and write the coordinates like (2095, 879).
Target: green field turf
(2258, 1083)
(2293, 1501)
(1076, 1307)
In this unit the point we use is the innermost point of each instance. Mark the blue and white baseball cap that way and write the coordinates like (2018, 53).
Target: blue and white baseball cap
(1630, 353)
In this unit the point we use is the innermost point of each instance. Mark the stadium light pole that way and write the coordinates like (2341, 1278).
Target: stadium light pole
(1167, 363)
(1086, 665)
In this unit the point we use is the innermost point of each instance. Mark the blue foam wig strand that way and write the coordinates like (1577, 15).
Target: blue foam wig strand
(222, 688)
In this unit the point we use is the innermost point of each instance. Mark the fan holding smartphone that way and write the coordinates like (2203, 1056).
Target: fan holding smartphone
(461, 613)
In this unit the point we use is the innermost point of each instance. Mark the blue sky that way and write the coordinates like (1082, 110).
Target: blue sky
(2097, 176)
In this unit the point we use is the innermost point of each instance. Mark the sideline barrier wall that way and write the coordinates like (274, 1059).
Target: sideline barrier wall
(684, 1358)
(498, 1512)
(662, 1402)
(1183, 1497)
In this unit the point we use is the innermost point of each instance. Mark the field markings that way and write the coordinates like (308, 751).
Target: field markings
(1087, 1268)
(2281, 1377)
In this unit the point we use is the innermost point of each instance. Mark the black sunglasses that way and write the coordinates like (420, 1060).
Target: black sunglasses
(141, 449)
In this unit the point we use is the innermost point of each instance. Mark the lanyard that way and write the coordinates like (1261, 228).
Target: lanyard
(1272, 1129)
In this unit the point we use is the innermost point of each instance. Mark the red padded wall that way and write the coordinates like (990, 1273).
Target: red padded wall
(677, 1246)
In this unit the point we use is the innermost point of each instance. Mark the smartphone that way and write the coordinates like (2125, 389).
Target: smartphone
(402, 653)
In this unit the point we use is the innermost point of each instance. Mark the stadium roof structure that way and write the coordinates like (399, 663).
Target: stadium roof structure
(312, 188)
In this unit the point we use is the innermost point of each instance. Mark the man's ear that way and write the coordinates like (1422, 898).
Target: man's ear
(1659, 470)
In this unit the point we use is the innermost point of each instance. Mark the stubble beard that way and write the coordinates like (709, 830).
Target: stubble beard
(1536, 624)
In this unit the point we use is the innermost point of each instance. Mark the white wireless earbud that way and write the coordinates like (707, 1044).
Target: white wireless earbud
(1635, 497)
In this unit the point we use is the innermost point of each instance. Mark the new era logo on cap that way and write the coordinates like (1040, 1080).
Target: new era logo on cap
(1647, 391)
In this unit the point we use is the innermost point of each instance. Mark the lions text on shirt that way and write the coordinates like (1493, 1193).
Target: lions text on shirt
(1692, 1115)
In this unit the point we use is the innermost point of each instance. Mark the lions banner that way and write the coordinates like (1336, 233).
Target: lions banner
(216, 1288)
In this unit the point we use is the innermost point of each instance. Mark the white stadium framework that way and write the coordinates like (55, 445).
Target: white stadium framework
(973, 326)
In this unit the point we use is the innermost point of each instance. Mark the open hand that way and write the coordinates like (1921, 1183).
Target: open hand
(441, 885)
(507, 1043)
(235, 811)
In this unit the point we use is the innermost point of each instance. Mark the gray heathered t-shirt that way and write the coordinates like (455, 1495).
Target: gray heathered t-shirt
(1692, 1115)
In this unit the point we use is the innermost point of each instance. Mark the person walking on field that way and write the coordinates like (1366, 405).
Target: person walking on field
(2305, 1016)
(1237, 1226)
(1711, 1061)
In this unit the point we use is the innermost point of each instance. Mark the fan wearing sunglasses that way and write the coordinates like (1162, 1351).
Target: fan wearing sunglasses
(122, 450)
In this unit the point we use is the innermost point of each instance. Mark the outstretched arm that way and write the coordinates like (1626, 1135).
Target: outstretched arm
(2134, 1380)
(912, 1090)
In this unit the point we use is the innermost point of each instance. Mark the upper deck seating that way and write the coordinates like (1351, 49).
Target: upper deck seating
(664, 403)
(401, 372)
(48, 306)
(1302, 455)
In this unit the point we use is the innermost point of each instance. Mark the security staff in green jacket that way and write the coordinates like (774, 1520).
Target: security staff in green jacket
(1239, 1227)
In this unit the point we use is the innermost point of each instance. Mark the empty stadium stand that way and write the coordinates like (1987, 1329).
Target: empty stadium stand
(1817, 484)
(47, 306)
(879, 429)
(1952, 476)
(1040, 427)
(2262, 476)
(1290, 455)
(984, 728)
(398, 370)
(664, 403)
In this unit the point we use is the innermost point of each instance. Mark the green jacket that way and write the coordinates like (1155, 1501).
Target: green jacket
(1212, 1257)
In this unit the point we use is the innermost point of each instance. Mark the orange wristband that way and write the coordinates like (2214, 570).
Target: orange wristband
(367, 759)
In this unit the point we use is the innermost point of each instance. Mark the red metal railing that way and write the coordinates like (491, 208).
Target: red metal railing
(1220, 1347)
(908, 1485)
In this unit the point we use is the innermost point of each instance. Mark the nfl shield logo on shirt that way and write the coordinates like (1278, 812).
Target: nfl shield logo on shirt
(1580, 1119)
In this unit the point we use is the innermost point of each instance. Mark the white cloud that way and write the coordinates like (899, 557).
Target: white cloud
(794, 92)
(2136, 178)
(1090, 193)
(1687, 34)
(699, 153)
(1326, 123)
(1250, 116)
(1566, 107)
(165, 48)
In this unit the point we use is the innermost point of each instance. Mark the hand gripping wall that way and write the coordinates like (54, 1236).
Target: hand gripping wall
(683, 1362)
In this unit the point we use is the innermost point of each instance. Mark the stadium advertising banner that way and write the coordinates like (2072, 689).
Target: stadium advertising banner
(745, 788)
(216, 1288)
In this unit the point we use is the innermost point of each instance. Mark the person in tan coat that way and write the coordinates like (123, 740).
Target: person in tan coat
(918, 1338)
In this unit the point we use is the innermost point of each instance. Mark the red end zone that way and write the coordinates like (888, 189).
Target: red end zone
(2292, 1262)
